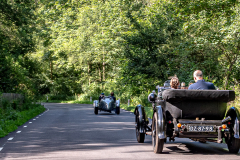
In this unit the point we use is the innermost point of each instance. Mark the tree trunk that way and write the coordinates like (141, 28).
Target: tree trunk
(103, 71)
(89, 71)
(51, 69)
(100, 74)
(103, 68)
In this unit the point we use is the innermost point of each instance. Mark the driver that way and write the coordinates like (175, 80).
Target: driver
(112, 95)
(101, 97)
(200, 84)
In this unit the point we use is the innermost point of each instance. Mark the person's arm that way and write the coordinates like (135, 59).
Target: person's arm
(212, 87)
(190, 87)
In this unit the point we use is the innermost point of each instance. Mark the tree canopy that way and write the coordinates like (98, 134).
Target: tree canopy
(129, 46)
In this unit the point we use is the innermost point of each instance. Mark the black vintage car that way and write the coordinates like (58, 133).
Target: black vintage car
(107, 104)
(196, 114)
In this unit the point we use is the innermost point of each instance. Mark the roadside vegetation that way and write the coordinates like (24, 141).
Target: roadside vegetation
(13, 115)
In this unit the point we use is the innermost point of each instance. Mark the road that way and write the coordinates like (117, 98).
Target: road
(73, 131)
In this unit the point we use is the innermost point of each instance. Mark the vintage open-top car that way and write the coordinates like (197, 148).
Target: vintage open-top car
(196, 114)
(106, 104)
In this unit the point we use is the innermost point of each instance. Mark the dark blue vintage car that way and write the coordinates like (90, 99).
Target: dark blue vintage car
(107, 104)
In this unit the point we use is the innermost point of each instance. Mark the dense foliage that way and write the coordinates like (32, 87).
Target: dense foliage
(71, 47)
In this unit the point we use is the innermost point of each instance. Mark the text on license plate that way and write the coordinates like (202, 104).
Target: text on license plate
(195, 128)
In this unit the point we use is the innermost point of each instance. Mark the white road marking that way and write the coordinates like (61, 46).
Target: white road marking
(18, 131)
(1, 148)
(34, 119)
(130, 113)
(11, 138)
(24, 126)
(30, 122)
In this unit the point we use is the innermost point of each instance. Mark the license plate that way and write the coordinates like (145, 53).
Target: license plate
(196, 128)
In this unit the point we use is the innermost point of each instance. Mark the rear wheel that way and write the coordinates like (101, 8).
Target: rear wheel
(156, 142)
(140, 136)
(96, 110)
(233, 145)
(117, 110)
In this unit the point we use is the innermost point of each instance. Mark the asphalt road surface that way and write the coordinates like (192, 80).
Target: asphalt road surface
(73, 131)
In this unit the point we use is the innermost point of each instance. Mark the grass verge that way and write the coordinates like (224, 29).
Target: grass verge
(13, 119)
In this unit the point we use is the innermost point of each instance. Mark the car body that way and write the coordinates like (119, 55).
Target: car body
(107, 104)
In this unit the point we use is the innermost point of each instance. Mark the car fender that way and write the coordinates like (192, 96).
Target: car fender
(142, 117)
(235, 119)
(117, 103)
(95, 103)
(160, 122)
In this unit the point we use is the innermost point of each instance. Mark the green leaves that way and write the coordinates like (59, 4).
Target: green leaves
(67, 47)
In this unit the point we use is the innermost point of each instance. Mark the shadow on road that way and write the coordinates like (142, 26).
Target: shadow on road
(75, 128)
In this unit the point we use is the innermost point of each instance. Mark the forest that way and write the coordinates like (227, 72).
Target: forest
(81, 48)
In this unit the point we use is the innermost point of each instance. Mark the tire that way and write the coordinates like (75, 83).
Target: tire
(140, 136)
(96, 110)
(156, 142)
(233, 145)
(117, 110)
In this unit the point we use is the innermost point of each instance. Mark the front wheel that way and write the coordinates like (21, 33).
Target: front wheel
(96, 110)
(140, 136)
(117, 110)
(233, 145)
(156, 142)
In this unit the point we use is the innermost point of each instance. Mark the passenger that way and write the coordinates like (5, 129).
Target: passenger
(183, 85)
(112, 95)
(101, 97)
(200, 82)
(174, 83)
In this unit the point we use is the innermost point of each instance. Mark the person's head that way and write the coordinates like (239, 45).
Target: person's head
(112, 94)
(174, 82)
(197, 75)
(102, 94)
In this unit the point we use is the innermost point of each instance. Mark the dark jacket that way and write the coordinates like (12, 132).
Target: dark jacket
(113, 98)
(100, 98)
(202, 85)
